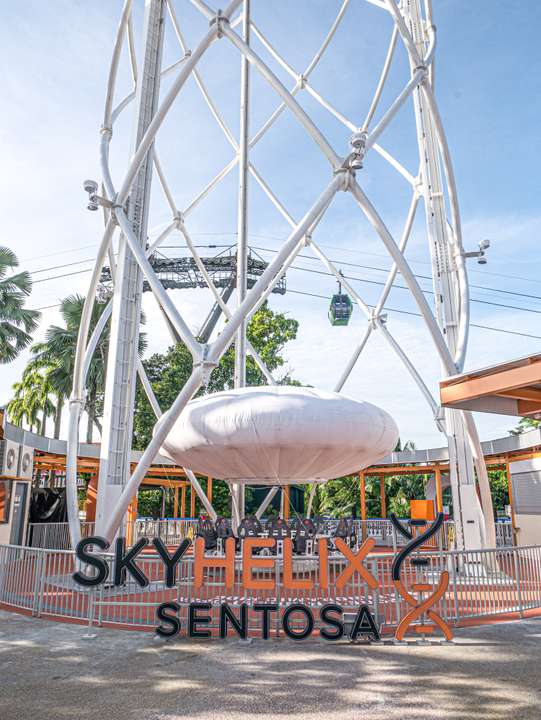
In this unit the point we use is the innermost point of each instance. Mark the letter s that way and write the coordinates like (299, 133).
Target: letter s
(172, 622)
(98, 563)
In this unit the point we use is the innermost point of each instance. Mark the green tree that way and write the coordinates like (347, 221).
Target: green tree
(31, 402)
(53, 360)
(525, 424)
(16, 322)
(55, 357)
(267, 331)
(499, 490)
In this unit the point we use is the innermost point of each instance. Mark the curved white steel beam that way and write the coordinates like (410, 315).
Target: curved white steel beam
(383, 297)
(312, 130)
(168, 100)
(411, 281)
(409, 367)
(382, 80)
(117, 49)
(456, 236)
(353, 359)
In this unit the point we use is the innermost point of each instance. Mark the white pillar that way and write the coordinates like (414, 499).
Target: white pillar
(470, 531)
(124, 336)
(242, 226)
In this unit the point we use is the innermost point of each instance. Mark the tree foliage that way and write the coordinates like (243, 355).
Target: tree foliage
(268, 332)
(48, 377)
(525, 424)
(17, 323)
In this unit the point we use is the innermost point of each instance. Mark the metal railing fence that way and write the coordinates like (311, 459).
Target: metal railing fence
(173, 530)
(482, 583)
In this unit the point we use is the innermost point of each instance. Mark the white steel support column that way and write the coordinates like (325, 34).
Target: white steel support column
(470, 530)
(242, 226)
(124, 337)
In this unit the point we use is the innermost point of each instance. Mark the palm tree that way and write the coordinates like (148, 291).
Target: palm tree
(16, 322)
(31, 400)
(53, 383)
(55, 358)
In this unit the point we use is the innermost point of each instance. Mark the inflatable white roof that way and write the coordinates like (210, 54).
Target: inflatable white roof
(275, 435)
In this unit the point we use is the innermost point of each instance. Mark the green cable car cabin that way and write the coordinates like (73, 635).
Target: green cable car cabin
(340, 309)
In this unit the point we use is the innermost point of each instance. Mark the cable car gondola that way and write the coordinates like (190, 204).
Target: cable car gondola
(340, 308)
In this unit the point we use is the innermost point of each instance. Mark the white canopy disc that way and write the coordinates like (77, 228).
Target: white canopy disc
(276, 435)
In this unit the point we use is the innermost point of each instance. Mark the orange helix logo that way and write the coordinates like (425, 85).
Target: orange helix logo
(423, 605)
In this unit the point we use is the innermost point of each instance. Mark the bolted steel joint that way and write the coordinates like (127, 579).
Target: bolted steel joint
(347, 175)
(206, 367)
(219, 20)
(376, 320)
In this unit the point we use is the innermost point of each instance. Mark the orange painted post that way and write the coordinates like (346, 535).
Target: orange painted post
(286, 502)
(209, 488)
(183, 501)
(175, 503)
(382, 494)
(91, 497)
(511, 501)
(362, 488)
(439, 496)
(131, 517)
(192, 502)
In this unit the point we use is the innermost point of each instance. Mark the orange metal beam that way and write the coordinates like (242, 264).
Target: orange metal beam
(526, 407)
(439, 495)
(523, 393)
(362, 488)
(183, 501)
(493, 381)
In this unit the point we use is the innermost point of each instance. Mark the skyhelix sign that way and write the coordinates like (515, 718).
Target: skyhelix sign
(297, 619)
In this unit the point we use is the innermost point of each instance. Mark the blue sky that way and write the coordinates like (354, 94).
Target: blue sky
(55, 59)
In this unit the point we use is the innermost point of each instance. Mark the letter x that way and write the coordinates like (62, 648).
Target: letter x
(356, 563)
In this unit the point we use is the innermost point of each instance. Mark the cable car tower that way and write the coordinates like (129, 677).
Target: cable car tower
(126, 201)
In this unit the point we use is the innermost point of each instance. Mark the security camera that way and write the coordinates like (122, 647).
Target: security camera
(90, 186)
(358, 148)
(479, 254)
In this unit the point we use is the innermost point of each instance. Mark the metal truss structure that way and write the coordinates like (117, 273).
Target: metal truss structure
(183, 273)
(126, 207)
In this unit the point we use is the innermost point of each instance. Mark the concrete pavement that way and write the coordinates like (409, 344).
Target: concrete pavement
(48, 671)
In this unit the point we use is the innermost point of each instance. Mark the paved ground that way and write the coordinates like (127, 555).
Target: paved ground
(48, 672)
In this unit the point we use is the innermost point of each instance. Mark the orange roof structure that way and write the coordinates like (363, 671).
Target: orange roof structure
(510, 388)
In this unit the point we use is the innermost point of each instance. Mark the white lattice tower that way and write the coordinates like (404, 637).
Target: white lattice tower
(127, 209)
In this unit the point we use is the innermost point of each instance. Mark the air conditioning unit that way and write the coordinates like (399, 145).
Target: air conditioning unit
(26, 463)
(9, 458)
